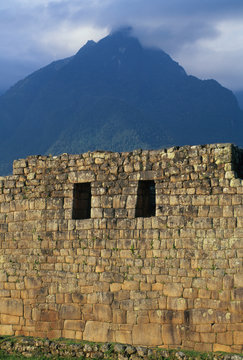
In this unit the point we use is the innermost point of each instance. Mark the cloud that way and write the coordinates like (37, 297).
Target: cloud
(220, 58)
(204, 36)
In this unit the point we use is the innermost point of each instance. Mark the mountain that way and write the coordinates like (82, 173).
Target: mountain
(114, 95)
(239, 97)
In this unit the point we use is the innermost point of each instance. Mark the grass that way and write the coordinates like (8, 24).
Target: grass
(4, 356)
(109, 354)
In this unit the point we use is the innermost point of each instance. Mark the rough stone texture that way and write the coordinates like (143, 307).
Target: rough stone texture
(96, 331)
(174, 279)
(32, 347)
(146, 334)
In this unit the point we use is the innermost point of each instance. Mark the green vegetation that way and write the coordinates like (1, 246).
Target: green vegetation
(43, 349)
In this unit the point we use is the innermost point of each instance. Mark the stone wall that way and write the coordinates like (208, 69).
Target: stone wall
(174, 279)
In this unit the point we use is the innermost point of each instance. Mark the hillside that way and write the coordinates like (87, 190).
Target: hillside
(239, 97)
(114, 95)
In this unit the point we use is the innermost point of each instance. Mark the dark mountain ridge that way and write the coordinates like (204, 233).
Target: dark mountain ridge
(239, 97)
(114, 95)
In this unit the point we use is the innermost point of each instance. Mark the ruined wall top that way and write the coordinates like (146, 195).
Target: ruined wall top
(198, 158)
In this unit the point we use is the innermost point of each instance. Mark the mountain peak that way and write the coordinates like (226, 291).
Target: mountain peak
(114, 95)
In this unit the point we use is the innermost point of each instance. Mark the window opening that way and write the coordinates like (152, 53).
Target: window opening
(146, 205)
(81, 201)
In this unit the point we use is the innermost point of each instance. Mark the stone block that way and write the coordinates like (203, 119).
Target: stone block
(123, 337)
(32, 283)
(3, 276)
(221, 347)
(228, 282)
(119, 316)
(237, 294)
(78, 298)
(219, 328)
(225, 338)
(27, 312)
(36, 314)
(190, 293)
(203, 223)
(102, 312)
(236, 307)
(238, 337)
(214, 284)
(238, 211)
(228, 211)
(95, 202)
(96, 213)
(173, 290)
(76, 325)
(115, 287)
(238, 279)
(48, 315)
(130, 285)
(201, 316)
(53, 334)
(6, 330)
(70, 312)
(203, 347)
(96, 331)
(176, 303)
(49, 325)
(147, 334)
(68, 334)
(240, 222)
(9, 319)
(21, 163)
(11, 307)
(192, 336)
(176, 222)
(171, 335)
(157, 287)
(207, 338)
(145, 304)
(162, 302)
(166, 317)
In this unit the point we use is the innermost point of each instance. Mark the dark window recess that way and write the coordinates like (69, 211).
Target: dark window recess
(145, 206)
(81, 201)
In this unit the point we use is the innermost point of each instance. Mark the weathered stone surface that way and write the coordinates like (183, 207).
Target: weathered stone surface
(9, 319)
(96, 331)
(102, 312)
(238, 336)
(77, 325)
(6, 330)
(221, 347)
(3, 276)
(171, 334)
(176, 303)
(82, 253)
(173, 290)
(146, 334)
(70, 312)
(32, 283)
(238, 279)
(225, 338)
(48, 315)
(124, 337)
(11, 307)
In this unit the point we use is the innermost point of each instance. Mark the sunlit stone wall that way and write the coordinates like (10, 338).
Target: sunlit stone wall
(141, 248)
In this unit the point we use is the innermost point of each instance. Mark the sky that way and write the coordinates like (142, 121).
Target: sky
(204, 36)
